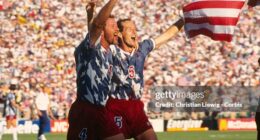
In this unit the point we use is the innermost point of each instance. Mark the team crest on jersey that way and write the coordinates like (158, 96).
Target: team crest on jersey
(118, 121)
(131, 72)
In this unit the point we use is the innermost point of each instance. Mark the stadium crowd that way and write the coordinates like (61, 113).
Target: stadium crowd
(38, 39)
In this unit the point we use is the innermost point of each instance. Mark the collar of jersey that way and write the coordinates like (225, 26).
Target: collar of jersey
(105, 50)
(128, 53)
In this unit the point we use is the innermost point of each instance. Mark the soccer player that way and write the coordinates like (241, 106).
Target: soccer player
(257, 116)
(90, 9)
(43, 109)
(128, 81)
(10, 109)
(88, 117)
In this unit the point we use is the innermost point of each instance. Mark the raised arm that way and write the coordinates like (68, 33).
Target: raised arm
(169, 33)
(90, 9)
(100, 20)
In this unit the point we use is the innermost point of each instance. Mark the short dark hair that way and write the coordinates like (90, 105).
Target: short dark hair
(120, 23)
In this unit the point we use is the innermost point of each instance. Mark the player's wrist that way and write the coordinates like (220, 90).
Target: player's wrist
(180, 18)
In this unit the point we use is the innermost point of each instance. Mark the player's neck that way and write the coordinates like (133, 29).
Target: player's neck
(104, 43)
(125, 48)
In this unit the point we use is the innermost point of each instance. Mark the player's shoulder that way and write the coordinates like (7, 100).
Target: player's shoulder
(146, 46)
(147, 42)
(85, 43)
(84, 48)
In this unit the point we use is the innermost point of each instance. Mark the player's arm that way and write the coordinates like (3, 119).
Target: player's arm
(90, 9)
(100, 20)
(36, 106)
(50, 112)
(169, 33)
(14, 104)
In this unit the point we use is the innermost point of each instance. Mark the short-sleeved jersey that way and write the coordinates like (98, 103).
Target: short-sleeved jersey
(94, 72)
(9, 109)
(42, 101)
(128, 79)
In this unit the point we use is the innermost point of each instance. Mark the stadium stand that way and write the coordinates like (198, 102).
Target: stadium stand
(38, 38)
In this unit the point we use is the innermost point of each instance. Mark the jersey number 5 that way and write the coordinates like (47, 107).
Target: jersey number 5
(118, 121)
(131, 72)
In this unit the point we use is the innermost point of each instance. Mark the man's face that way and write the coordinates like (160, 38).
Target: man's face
(129, 35)
(111, 31)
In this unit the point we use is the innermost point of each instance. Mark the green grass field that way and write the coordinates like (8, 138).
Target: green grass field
(210, 135)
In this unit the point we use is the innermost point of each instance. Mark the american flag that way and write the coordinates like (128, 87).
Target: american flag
(4, 4)
(214, 18)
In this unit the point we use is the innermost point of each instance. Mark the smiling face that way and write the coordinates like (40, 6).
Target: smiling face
(129, 34)
(111, 31)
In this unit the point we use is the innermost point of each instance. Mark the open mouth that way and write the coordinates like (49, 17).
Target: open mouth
(133, 38)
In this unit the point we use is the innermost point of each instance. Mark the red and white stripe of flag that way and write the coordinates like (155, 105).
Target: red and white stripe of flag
(214, 18)
(1, 5)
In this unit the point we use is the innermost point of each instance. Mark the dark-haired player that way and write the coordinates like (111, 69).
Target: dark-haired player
(11, 108)
(128, 80)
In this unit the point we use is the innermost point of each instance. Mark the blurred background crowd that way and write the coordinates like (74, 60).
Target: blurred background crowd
(38, 38)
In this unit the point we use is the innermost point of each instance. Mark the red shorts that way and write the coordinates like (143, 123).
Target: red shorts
(8, 118)
(91, 122)
(133, 120)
